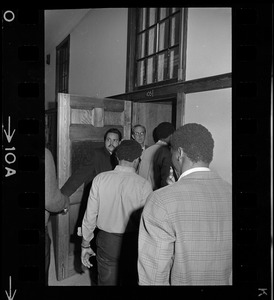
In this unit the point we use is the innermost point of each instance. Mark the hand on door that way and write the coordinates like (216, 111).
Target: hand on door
(85, 255)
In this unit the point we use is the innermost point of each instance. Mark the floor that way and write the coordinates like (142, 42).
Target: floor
(76, 280)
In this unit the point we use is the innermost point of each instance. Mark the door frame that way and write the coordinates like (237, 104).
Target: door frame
(179, 90)
(173, 101)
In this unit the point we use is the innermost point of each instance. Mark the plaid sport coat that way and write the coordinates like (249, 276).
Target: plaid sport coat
(185, 235)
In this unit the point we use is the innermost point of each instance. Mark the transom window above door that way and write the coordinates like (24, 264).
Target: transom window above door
(157, 45)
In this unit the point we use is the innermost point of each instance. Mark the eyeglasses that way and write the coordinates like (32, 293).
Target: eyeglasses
(139, 133)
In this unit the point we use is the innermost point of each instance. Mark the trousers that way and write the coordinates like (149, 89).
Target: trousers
(117, 258)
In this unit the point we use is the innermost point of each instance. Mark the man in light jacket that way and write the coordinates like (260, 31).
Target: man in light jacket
(185, 235)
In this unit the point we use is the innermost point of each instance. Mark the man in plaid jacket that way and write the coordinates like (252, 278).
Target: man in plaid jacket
(185, 235)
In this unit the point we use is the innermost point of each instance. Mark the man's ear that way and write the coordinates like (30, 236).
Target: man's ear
(181, 153)
(136, 162)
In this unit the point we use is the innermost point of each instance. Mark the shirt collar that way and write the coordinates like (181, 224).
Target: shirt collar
(161, 143)
(198, 169)
(125, 169)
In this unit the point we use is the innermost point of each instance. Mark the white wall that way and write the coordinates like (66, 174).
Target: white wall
(209, 42)
(98, 53)
(98, 46)
(212, 109)
(209, 53)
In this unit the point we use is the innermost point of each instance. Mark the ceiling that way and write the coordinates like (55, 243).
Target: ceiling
(59, 23)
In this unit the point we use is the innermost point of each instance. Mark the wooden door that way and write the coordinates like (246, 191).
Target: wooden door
(151, 114)
(81, 125)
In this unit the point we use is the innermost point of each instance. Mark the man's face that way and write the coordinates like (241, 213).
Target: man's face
(112, 141)
(139, 135)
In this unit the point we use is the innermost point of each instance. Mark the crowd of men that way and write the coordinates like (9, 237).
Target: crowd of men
(154, 215)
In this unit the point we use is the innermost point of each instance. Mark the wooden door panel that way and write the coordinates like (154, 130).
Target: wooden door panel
(93, 117)
(150, 115)
(87, 132)
(82, 152)
(92, 102)
(81, 125)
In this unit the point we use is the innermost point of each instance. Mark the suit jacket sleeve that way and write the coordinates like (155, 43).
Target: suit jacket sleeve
(156, 244)
(82, 175)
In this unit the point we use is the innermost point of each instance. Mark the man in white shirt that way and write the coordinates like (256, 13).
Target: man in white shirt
(156, 159)
(114, 205)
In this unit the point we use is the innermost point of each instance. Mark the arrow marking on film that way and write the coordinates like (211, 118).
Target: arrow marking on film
(8, 135)
(10, 297)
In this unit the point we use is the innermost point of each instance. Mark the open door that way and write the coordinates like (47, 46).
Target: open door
(151, 114)
(81, 125)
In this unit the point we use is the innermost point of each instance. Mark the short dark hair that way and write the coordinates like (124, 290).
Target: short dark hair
(195, 140)
(128, 150)
(163, 130)
(113, 130)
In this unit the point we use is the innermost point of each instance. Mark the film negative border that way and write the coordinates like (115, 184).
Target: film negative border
(251, 92)
(23, 140)
(23, 158)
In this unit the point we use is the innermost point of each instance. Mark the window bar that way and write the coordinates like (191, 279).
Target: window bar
(156, 53)
(182, 46)
(135, 68)
(157, 38)
(166, 77)
(145, 59)
(146, 46)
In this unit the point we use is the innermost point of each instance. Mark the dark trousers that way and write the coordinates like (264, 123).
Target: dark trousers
(47, 255)
(117, 258)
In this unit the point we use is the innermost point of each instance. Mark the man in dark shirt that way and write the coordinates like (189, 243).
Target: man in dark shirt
(101, 161)
(162, 158)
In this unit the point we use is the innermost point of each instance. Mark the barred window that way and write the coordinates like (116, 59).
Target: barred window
(62, 67)
(157, 45)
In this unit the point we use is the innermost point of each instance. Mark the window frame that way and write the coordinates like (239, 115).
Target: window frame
(178, 89)
(64, 45)
(131, 82)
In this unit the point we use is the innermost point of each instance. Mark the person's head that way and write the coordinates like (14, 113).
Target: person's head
(139, 134)
(128, 153)
(164, 131)
(191, 146)
(112, 139)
